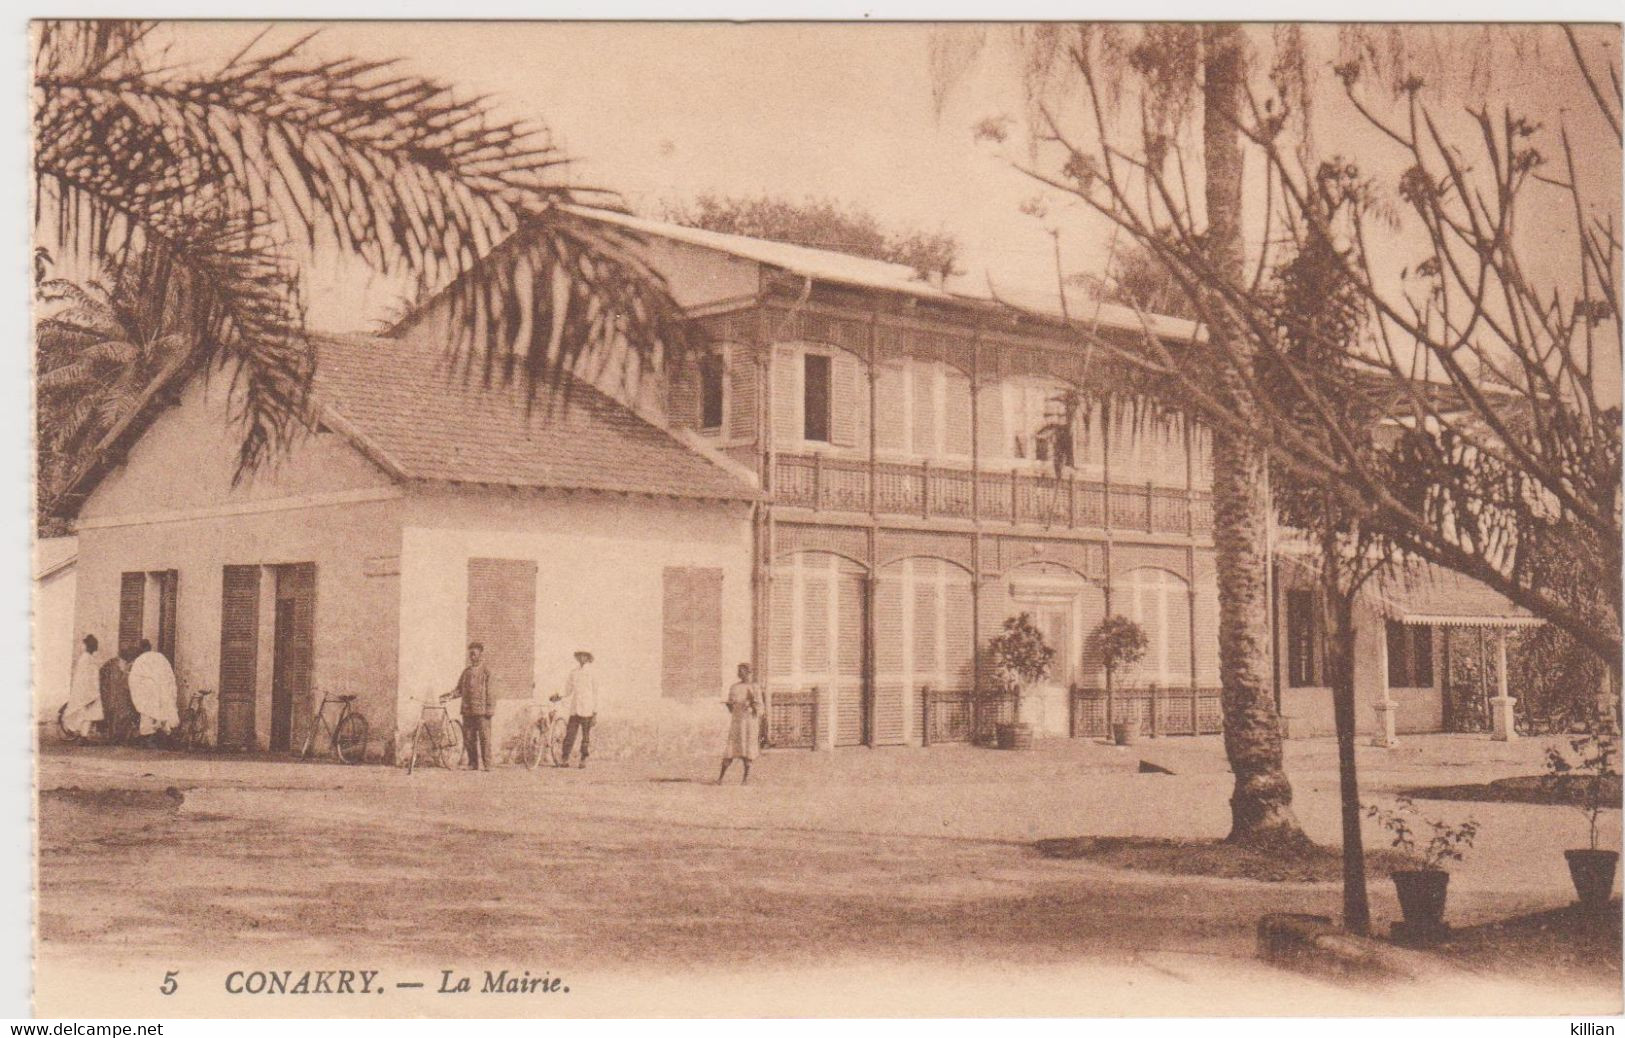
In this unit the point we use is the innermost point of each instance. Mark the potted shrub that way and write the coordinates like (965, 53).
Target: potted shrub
(1020, 659)
(1121, 643)
(1422, 889)
(1593, 774)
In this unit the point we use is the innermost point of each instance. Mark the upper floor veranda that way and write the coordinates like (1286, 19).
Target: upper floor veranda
(922, 417)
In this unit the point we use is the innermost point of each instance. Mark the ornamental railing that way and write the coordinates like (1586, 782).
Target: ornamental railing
(1151, 710)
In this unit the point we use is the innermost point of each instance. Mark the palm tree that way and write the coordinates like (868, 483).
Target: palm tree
(205, 188)
(97, 351)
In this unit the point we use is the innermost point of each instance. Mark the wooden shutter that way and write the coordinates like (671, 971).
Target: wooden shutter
(925, 407)
(956, 413)
(993, 445)
(1300, 639)
(741, 395)
(781, 621)
(961, 639)
(786, 398)
(848, 400)
(502, 617)
(1176, 607)
(1206, 634)
(1399, 671)
(168, 597)
(1421, 655)
(691, 643)
(132, 593)
(890, 385)
(239, 653)
(683, 395)
(297, 583)
(850, 608)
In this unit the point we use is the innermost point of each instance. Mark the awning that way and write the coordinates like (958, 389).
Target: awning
(1424, 594)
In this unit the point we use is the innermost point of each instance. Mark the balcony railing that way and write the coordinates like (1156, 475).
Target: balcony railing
(930, 491)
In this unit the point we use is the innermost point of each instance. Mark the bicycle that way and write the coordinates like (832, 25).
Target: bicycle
(438, 738)
(544, 742)
(347, 736)
(96, 735)
(192, 732)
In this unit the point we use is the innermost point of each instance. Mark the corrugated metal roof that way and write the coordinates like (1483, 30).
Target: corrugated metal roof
(861, 272)
(420, 417)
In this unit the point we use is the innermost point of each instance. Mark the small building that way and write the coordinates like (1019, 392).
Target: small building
(55, 644)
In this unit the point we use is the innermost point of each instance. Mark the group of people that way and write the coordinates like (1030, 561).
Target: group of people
(745, 702)
(474, 689)
(130, 696)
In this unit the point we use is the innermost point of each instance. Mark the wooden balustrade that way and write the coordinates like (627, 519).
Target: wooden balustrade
(927, 490)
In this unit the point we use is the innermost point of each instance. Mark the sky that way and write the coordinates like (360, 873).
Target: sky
(663, 112)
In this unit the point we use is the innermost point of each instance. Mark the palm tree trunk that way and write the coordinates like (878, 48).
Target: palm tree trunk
(1261, 805)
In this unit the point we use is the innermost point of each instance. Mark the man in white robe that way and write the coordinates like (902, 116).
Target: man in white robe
(152, 690)
(84, 706)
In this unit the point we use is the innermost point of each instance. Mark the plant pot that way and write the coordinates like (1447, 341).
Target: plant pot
(1014, 736)
(1124, 733)
(1421, 897)
(1593, 875)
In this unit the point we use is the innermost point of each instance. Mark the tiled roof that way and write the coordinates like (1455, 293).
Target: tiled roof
(417, 415)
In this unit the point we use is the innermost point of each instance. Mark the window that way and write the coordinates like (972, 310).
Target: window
(711, 381)
(1302, 639)
(691, 633)
(1039, 428)
(815, 398)
(1410, 655)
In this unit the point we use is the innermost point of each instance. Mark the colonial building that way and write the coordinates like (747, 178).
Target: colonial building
(854, 483)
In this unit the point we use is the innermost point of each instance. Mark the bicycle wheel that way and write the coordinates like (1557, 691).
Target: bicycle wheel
(534, 748)
(194, 738)
(555, 740)
(451, 745)
(350, 739)
(62, 725)
(419, 745)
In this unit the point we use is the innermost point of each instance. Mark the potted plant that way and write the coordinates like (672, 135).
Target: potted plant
(1020, 658)
(1422, 889)
(1594, 775)
(1120, 643)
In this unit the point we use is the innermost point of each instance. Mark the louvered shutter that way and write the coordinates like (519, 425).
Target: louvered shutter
(815, 632)
(683, 395)
(168, 598)
(781, 622)
(849, 609)
(1177, 609)
(239, 653)
(960, 645)
(786, 398)
(849, 400)
(502, 617)
(994, 445)
(691, 644)
(741, 395)
(890, 386)
(298, 584)
(925, 407)
(132, 593)
(956, 416)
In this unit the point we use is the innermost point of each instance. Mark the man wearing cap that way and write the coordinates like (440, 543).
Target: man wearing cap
(474, 688)
(581, 689)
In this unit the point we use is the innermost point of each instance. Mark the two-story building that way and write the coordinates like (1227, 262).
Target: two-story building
(854, 483)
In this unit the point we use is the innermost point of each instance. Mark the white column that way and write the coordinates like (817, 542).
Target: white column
(1501, 716)
(1386, 736)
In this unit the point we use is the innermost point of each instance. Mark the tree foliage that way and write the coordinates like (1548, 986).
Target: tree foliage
(822, 224)
(208, 188)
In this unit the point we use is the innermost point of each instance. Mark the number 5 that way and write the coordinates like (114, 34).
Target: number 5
(168, 987)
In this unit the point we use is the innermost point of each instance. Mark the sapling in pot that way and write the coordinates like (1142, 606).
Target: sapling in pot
(1591, 772)
(1120, 643)
(1021, 658)
(1429, 844)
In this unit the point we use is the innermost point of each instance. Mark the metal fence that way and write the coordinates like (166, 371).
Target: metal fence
(1152, 710)
(792, 720)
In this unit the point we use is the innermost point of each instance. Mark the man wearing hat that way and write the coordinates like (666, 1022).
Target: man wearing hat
(581, 689)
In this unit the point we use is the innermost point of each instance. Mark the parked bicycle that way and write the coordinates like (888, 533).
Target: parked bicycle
(544, 742)
(438, 738)
(193, 732)
(346, 737)
(96, 735)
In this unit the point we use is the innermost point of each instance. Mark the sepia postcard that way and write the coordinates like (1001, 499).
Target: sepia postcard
(547, 519)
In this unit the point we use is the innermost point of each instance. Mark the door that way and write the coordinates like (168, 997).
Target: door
(291, 654)
(239, 654)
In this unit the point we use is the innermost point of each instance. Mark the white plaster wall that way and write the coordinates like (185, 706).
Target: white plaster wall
(1309, 710)
(55, 642)
(600, 562)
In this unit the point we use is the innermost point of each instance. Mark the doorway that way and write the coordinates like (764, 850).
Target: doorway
(292, 635)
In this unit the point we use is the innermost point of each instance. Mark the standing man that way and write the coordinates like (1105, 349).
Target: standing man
(474, 687)
(153, 691)
(744, 725)
(118, 711)
(581, 689)
(84, 692)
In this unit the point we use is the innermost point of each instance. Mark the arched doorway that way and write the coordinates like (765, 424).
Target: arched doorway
(818, 644)
(1066, 607)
